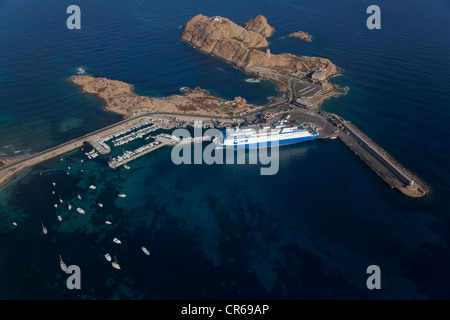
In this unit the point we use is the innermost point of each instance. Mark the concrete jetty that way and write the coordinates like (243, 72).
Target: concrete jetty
(333, 126)
(392, 172)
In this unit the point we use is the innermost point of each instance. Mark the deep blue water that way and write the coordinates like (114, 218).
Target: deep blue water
(225, 231)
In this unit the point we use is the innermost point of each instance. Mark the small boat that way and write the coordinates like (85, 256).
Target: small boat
(253, 80)
(92, 187)
(100, 205)
(126, 167)
(62, 264)
(117, 241)
(55, 205)
(68, 168)
(53, 192)
(60, 200)
(80, 210)
(122, 195)
(81, 170)
(108, 257)
(54, 184)
(107, 221)
(59, 218)
(333, 137)
(115, 264)
(145, 250)
(14, 223)
(69, 206)
(78, 196)
(44, 228)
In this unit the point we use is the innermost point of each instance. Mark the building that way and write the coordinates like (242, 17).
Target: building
(319, 75)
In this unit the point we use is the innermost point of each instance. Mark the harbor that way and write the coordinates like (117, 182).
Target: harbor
(98, 139)
(328, 126)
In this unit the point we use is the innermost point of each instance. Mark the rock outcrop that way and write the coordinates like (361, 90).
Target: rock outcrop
(120, 98)
(223, 38)
(210, 32)
(260, 25)
(302, 35)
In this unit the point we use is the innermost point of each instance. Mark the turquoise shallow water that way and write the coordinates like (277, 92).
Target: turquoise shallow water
(225, 231)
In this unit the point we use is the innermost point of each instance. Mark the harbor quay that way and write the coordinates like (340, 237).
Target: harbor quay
(332, 126)
(328, 126)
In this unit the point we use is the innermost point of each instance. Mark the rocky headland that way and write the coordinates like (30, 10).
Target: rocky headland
(241, 46)
(120, 98)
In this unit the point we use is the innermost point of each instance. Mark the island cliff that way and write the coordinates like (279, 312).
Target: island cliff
(260, 25)
(240, 46)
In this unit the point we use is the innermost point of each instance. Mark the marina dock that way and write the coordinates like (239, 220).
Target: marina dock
(97, 140)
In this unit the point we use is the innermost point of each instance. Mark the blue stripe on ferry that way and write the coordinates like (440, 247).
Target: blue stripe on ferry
(268, 143)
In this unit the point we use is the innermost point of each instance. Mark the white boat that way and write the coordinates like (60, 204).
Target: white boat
(122, 195)
(55, 205)
(60, 200)
(59, 218)
(100, 205)
(53, 192)
(44, 228)
(145, 250)
(253, 80)
(108, 257)
(126, 167)
(69, 206)
(81, 210)
(62, 264)
(14, 223)
(92, 187)
(78, 196)
(107, 221)
(117, 241)
(54, 184)
(115, 264)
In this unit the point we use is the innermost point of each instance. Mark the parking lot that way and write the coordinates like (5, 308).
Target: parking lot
(305, 89)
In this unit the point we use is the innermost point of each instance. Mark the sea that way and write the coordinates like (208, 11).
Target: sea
(311, 231)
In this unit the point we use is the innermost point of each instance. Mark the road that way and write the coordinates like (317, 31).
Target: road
(393, 168)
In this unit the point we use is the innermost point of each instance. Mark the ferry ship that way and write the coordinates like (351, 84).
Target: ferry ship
(265, 135)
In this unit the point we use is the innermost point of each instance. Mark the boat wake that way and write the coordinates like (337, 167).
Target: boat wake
(80, 70)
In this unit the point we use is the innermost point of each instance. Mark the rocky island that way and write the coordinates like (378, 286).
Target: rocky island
(241, 46)
(120, 98)
(302, 35)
